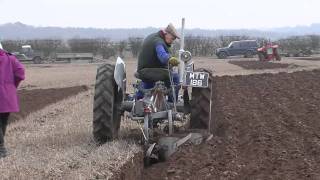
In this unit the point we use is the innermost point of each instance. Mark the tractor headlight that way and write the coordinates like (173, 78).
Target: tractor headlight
(186, 56)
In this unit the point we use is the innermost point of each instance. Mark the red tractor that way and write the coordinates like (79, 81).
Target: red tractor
(269, 52)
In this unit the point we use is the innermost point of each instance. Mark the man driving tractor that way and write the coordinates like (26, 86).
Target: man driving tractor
(155, 57)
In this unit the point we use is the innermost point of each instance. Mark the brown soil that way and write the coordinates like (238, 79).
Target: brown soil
(266, 127)
(36, 99)
(261, 65)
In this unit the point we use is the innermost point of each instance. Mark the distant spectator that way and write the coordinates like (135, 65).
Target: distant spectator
(11, 74)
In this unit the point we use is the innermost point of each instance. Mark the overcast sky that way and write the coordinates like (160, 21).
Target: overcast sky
(206, 14)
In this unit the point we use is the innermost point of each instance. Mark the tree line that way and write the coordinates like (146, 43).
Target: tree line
(302, 43)
(197, 45)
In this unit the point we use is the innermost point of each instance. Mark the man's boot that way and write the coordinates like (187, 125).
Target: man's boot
(3, 151)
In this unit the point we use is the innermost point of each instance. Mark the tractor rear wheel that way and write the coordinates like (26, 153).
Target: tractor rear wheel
(261, 56)
(277, 55)
(107, 105)
(200, 105)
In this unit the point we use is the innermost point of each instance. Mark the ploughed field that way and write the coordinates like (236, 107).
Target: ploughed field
(36, 99)
(51, 137)
(265, 126)
(265, 123)
(261, 64)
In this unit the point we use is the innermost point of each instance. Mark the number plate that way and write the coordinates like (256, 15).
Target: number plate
(197, 79)
(269, 51)
(189, 67)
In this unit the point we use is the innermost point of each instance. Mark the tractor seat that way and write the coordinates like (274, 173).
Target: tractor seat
(137, 75)
(152, 74)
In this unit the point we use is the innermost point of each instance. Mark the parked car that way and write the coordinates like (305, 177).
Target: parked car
(248, 48)
(27, 54)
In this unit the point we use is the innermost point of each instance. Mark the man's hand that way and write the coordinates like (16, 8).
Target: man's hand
(173, 61)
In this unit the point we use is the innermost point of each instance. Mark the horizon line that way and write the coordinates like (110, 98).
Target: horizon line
(103, 28)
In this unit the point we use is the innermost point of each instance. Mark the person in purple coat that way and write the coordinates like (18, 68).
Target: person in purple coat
(11, 74)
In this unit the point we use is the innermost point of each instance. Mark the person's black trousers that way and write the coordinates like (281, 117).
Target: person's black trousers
(3, 126)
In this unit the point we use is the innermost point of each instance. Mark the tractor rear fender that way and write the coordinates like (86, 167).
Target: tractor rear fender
(261, 49)
(120, 75)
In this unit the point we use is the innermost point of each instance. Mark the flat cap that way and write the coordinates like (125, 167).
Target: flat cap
(172, 30)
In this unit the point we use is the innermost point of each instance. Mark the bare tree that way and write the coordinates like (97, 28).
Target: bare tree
(121, 47)
(315, 41)
(135, 45)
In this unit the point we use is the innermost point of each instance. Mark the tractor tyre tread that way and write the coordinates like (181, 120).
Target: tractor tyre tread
(200, 105)
(106, 107)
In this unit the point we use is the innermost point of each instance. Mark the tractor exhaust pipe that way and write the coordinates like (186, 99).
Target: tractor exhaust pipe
(181, 65)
